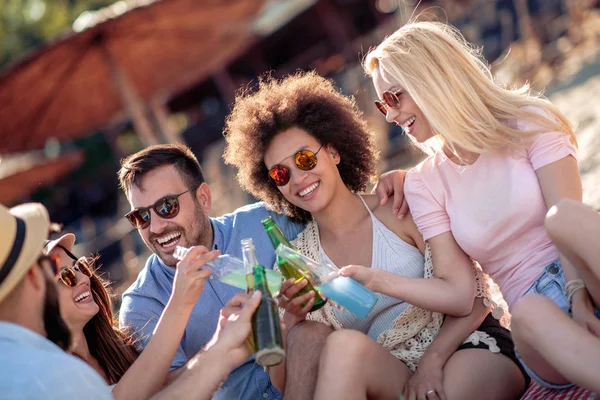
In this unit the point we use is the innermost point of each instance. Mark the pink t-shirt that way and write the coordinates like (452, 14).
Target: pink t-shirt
(494, 208)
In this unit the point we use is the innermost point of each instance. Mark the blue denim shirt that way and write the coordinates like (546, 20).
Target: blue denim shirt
(145, 300)
(33, 368)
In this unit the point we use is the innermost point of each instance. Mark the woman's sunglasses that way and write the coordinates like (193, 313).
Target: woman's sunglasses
(390, 99)
(304, 159)
(68, 275)
(166, 207)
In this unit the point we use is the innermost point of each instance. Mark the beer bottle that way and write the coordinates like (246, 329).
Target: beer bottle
(266, 329)
(277, 237)
(249, 262)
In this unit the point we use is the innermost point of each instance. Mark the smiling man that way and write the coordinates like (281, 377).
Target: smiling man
(170, 204)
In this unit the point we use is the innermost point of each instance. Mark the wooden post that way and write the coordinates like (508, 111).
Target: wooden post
(129, 98)
(333, 26)
(161, 114)
(225, 85)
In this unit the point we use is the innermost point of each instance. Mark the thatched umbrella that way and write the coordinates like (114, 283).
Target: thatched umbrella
(31, 173)
(131, 53)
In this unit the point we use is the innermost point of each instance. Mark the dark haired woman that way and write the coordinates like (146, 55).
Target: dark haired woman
(85, 306)
(304, 149)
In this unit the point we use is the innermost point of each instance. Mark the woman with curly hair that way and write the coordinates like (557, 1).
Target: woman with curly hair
(499, 159)
(305, 149)
(85, 305)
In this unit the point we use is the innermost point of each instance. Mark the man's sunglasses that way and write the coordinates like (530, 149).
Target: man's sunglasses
(68, 275)
(166, 207)
(390, 99)
(304, 159)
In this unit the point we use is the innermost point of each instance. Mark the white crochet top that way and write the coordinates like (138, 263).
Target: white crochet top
(413, 330)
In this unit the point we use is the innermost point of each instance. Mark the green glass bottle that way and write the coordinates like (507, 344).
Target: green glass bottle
(266, 328)
(249, 262)
(277, 237)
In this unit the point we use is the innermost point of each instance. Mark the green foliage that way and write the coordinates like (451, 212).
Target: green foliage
(26, 24)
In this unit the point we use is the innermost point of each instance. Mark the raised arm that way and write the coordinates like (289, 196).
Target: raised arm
(203, 374)
(452, 289)
(149, 372)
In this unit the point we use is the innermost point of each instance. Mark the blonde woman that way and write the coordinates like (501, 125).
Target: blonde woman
(498, 160)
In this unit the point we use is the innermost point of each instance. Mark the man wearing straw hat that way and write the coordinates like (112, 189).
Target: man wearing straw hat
(33, 336)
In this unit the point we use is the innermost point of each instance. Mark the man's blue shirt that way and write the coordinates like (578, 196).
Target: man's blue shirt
(33, 368)
(145, 300)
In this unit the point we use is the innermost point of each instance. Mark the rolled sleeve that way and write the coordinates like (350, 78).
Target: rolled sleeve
(549, 147)
(139, 316)
(429, 215)
(546, 147)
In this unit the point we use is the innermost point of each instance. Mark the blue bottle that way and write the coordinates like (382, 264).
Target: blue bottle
(343, 290)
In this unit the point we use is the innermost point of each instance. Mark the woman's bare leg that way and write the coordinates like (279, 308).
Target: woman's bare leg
(525, 333)
(575, 229)
(480, 374)
(573, 351)
(354, 366)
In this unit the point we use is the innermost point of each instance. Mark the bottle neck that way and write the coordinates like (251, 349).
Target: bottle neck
(260, 279)
(250, 259)
(276, 236)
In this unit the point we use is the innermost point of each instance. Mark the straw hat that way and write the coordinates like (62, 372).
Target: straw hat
(23, 231)
(67, 241)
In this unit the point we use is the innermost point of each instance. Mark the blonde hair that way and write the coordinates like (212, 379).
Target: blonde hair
(453, 86)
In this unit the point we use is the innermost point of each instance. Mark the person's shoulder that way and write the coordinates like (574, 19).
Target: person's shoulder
(78, 377)
(536, 114)
(254, 213)
(253, 209)
(426, 170)
(55, 372)
(402, 227)
(428, 165)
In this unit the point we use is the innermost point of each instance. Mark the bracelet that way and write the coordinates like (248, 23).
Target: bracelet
(571, 287)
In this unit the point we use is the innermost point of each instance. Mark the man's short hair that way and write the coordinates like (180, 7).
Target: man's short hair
(134, 167)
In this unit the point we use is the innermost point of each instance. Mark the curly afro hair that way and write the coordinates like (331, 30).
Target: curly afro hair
(311, 103)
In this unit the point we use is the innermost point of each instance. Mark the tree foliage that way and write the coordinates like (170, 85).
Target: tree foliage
(26, 24)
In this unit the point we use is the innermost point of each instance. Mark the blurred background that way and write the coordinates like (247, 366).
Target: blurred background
(84, 83)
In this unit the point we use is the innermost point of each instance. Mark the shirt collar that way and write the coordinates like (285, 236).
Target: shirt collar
(217, 235)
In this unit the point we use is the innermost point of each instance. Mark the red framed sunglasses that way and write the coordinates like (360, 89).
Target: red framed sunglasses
(166, 207)
(390, 99)
(304, 159)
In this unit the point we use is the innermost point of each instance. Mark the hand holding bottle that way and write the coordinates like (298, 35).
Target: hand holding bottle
(364, 275)
(190, 276)
(235, 324)
(296, 306)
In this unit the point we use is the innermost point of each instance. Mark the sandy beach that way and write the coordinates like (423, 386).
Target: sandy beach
(578, 99)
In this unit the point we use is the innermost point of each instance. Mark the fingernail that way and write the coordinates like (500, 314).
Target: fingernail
(256, 293)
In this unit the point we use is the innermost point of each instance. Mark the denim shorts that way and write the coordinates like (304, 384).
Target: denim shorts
(551, 284)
